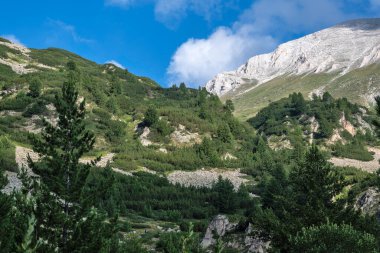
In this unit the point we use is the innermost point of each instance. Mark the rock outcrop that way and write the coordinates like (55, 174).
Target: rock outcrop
(368, 202)
(221, 227)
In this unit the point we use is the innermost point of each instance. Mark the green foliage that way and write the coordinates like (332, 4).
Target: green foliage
(18, 103)
(224, 134)
(333, 238)
(151, 117)
(37, 108)
(291, 111)
(229, 105)
(62, 223)
(7, 155)
(207, 152)
(303, 199)
(354, 150)
(226, 200)
(35, 88)
(154, 196)
(180, 242)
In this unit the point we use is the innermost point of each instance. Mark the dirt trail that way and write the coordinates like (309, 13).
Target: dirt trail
(371, 166)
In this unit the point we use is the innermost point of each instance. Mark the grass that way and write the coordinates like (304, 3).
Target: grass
(249, 103)
(354, 150)
(355, 86)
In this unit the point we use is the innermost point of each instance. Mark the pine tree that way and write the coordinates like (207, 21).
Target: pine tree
(60, 149)
(315, 185)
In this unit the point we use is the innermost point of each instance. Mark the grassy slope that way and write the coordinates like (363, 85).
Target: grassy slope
(355, 86)
(115, 130)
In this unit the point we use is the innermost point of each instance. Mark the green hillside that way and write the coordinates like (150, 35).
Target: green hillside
(356, 85)
(168, 161)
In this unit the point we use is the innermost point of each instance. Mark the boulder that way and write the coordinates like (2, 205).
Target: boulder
(248, 241)
(219, 226)
(368, 202)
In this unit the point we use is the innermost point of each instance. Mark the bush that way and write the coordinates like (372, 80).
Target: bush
(151, 117)
(7, 155)
(333, 238)
(35, 88)
(18, 103)
(354, 150)
(35, 109)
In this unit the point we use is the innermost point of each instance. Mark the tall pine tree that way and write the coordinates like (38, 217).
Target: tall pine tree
(60, 149)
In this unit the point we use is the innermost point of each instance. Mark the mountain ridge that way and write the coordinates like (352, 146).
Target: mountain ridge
(337, 50)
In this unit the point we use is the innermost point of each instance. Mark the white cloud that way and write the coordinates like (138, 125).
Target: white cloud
(12, 38)
(60, 27)
(197, 60)
(122, 3)
(294, 16)
(117, 64)
(259, 28)
(170, 12)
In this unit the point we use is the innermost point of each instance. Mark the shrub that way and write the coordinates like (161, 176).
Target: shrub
(35, 88)
(7, 155)
(333, 238)
(150, 117)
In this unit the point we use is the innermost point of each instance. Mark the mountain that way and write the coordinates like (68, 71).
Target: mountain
(172, 160)
(117, 104)
(343, 60)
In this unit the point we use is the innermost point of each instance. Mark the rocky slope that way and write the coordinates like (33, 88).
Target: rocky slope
(331, 53)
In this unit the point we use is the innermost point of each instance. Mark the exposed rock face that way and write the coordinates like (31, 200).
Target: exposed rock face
(14, 183)
(22, 63)
(22, 156)
(104, 160)
(341, 49)
(144, 137)
(279, 142)
(347, 125)
(369, 202)
(182, 137)
(228, 156)
(220, 226)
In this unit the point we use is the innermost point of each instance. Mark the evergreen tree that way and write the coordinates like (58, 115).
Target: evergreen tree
(151, 117)
(226, 198)
(35, 88)
(224, 133)
(304, 199)
(60, 149)
(315, 184)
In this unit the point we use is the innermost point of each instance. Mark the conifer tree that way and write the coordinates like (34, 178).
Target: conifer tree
(60, 149)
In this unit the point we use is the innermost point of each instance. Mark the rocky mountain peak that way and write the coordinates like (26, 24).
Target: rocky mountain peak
(341, 49)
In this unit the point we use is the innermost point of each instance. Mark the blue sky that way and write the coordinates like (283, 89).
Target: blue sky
(173, 40)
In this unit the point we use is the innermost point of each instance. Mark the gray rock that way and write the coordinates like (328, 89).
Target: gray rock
(246, 242)
(220, 225)
(368, 202)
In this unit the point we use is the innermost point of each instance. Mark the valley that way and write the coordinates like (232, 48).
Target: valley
(261, 159)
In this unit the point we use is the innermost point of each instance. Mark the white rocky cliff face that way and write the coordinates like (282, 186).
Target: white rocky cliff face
(342, 48)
